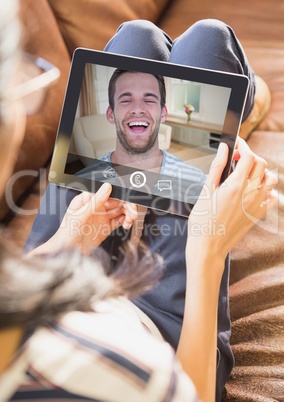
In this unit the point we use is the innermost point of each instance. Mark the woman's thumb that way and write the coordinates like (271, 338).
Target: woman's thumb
(103, 193)
(218, 164)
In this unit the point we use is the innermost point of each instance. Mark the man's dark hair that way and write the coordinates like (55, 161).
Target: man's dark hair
(118, 72)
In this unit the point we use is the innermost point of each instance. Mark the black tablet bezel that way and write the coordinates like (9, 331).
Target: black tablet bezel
(82, 56)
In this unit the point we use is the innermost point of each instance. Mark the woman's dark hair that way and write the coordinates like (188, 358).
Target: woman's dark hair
(118, 72)
(34, 291)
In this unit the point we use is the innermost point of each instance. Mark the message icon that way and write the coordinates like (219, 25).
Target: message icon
(164, 185)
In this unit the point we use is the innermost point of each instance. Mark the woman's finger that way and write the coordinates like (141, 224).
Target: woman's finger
(217, 166)
(245, 164)
(258, 170)
(103, 193)
(117, 222)
(112, 203)
(131, 214)
(270, 179)
(79, 202)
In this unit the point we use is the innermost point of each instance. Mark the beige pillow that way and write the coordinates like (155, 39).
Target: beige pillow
(91, 23)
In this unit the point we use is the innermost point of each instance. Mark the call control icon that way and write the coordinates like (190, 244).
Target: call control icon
(138, 179)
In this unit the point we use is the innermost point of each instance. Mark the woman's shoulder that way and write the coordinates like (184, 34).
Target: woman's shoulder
(87, 352)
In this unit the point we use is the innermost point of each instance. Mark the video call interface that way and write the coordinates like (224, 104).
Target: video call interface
(188, 138)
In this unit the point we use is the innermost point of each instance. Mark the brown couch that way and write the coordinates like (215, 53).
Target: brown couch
(53, 29)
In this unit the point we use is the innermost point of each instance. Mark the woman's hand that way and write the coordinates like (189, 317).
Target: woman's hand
(225, 213)
(89, 220)
(220, 218)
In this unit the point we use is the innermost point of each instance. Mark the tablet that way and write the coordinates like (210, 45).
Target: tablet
(149, 128)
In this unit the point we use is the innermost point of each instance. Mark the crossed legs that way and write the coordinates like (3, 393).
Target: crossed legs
(209, 44)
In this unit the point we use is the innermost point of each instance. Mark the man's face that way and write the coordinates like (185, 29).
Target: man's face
(137, 111)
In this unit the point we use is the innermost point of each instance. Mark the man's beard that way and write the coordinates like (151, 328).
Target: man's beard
(137, 149)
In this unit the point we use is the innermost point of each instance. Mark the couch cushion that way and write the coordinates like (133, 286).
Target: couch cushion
(260, 29)
(263, 246)
(259, 22)
(268, 63)
(258, 337)
(42, 38)
(257, 295)
(91, 23)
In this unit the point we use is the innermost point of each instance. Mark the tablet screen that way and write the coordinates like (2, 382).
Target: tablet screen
(149, 128)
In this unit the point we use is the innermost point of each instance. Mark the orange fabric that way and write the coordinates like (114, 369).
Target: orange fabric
(258, 25)
(42, 38)
(91, 23)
